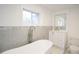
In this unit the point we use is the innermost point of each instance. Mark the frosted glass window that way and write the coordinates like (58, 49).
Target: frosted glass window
(30, 18)
(35, 18)
(27, 17)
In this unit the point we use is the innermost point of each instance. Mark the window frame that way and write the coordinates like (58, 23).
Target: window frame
(32, 23)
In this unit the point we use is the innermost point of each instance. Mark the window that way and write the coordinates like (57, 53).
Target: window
(30, 18)
(60, 22)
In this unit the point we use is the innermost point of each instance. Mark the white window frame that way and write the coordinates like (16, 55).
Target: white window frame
(32, 22)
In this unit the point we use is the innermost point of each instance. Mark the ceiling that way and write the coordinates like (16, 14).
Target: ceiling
(59, 7)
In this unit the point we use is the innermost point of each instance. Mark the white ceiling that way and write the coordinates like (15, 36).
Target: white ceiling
(59, 7)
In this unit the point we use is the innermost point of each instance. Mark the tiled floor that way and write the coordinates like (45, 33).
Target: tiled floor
(55, 50)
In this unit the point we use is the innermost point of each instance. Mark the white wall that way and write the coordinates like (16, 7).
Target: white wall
(11, 15)
(74, 23)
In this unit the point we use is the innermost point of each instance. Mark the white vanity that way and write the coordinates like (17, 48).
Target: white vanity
(59, 40)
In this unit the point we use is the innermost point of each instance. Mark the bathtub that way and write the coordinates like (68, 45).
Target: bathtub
(37, 47)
